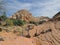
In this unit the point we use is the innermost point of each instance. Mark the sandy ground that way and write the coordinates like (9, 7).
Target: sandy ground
(18, 41)
(11, 39)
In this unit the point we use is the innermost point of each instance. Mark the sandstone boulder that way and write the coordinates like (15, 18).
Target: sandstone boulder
(23, 15)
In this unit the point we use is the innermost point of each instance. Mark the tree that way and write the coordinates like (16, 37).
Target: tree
(3, 10)
(3, 17)
(2, 6)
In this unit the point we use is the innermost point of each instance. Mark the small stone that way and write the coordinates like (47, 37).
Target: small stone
(1, 39)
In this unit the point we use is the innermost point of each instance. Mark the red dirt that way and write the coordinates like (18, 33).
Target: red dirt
(11, 39)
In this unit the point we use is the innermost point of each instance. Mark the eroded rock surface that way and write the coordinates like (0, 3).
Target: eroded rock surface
(47, 33)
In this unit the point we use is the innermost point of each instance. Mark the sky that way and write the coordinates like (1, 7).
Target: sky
(36, 7)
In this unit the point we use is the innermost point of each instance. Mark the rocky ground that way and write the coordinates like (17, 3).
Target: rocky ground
(44, 34)
(47, 33)
(12, 39)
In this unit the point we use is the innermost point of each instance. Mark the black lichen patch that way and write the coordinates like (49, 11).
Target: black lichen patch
(0, 30)
(49, 30)
(28, 36)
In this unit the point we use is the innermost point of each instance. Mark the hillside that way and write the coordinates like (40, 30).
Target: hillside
(23, 15)
(27, 16)
(47, 32)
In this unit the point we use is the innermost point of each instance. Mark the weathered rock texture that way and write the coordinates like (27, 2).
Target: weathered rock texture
(23, 15)
(47, 33)
(57, 16)
(27, 16)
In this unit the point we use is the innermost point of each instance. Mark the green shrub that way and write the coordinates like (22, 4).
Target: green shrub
(3, 17)
(18, 22)
(15, 22)
(9, 22)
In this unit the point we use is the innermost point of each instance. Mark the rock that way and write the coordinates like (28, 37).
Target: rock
(57, 16)
(27, 16)
(1, 38)
(47, 33)
(23, 15)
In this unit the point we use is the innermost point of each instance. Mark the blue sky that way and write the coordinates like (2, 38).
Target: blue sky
(36, 7)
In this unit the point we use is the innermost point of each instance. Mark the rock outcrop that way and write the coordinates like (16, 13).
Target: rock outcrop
(47, 33)
(57, 16)
(23, 15)
(27, 16)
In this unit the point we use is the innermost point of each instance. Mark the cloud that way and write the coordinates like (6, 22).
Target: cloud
(49, 8)
(36, 7)
(16, 5)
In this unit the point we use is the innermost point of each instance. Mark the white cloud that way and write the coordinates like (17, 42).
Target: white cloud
(50, 8)
(47, 8)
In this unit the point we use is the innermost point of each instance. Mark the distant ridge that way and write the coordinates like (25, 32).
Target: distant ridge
(57, 16)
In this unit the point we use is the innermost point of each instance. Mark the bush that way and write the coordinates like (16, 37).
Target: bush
(15, 22)
(9, 22)
(3, 17)
(18, 22)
